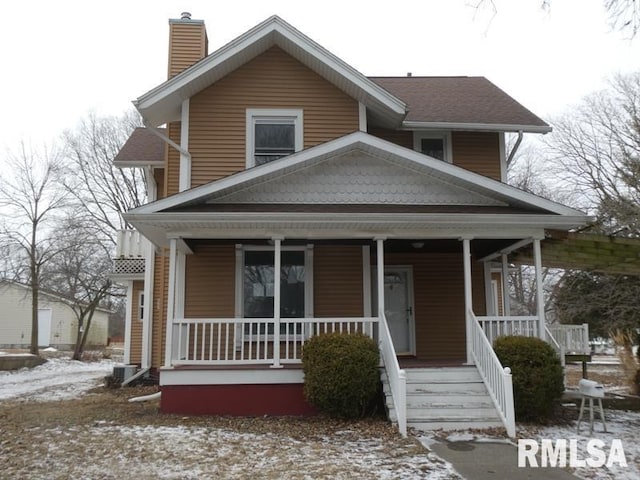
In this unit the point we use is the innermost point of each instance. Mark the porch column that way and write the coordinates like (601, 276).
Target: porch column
(537, 260)
(147, 312)
(380, 274)
(506, 298)
(468, 298)
(277, 263)
(171, 296)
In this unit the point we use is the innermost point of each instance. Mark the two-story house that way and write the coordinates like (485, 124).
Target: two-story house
(291, 195)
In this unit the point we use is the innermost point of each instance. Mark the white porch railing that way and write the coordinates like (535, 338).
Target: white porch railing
(238, 341)
(494, 327)
(572, 338)
(397, 377)
(129, 244)
(496, 377)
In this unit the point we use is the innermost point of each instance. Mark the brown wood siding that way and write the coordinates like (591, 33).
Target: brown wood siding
(478, 152)
(158, 330)
(172, 177)
(217, 128)
(438, 285)
(399, 137)
(210, 282)
(187, 45)
(136, 323)
(158, 175)
(478, 291)
(337, 281)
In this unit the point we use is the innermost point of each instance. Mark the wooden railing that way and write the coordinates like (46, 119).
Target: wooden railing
(495, 327)
(237, 341)
(397, 377)
(496, 377)
(573, 338)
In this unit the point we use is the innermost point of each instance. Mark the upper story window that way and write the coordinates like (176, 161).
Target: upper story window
(434, 144)
(272, 134)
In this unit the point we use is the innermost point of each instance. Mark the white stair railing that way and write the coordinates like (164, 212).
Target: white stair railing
(551, 340)
(397, 377)
(497, 378)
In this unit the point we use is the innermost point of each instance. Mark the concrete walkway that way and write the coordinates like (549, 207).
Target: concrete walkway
(492, 461)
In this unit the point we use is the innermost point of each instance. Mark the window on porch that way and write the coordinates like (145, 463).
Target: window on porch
(258, 287)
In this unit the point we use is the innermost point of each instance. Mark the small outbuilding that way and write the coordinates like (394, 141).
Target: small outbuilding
(57, 323)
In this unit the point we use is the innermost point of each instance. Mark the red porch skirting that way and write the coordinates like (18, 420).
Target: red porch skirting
(236, 400)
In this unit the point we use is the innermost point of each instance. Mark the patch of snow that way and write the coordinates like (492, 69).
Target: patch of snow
(57, 379)
(50, 349)
(620, 425)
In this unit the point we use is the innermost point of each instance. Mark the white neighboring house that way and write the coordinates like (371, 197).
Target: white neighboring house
(57, 322)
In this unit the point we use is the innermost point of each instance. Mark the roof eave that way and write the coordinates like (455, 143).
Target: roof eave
(138, 164)
(481, 127)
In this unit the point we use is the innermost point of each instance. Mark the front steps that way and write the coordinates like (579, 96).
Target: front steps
(446, 398)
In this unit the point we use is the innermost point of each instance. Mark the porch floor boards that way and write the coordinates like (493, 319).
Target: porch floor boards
(404, 361)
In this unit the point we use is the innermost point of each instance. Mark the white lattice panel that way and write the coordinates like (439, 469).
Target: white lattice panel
(128, 265)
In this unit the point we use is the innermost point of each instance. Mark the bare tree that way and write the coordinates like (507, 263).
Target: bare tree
(101, 190)
(80, 274)
(597, 147)
(31, 198)
(622, 15)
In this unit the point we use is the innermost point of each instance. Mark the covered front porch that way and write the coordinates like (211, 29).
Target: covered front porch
(355, 235)
(418, 298)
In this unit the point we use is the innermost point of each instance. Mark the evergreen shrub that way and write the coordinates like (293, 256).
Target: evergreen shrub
(341, 375)
(538, 379)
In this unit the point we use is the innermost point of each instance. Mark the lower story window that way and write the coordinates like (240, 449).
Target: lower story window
(258, 288)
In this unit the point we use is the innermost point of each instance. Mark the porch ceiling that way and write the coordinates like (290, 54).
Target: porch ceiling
(586, 251)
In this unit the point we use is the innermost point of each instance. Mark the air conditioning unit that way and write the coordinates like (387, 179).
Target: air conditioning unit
(123, 372)
(589, 388)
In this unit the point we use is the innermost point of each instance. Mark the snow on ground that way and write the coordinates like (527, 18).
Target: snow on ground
(57, 379)
(107, 449)
(181, 452)
(620, 425)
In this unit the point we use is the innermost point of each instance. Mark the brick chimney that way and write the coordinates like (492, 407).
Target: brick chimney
(188, 43)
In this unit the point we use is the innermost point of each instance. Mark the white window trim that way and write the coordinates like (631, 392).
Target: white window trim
(446, 136)
(308, 280)
(140, 312)
(293, 115)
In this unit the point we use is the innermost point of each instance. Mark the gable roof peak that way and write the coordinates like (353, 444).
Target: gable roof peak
(163, 103)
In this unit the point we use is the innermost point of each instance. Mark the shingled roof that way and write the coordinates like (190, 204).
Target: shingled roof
(461, 101)
(142, 148)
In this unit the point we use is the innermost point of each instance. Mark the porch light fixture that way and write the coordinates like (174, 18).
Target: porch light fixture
(417, 245)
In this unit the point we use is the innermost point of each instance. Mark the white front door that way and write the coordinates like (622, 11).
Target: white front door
(44, 327)
(398, 307)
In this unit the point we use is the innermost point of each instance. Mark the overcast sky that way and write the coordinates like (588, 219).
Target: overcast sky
(63, 58)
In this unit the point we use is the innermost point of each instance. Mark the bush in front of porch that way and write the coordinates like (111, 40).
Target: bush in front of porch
(341, 374)
(538, 380)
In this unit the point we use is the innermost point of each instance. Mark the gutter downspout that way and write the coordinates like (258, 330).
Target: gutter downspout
(513, 151)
